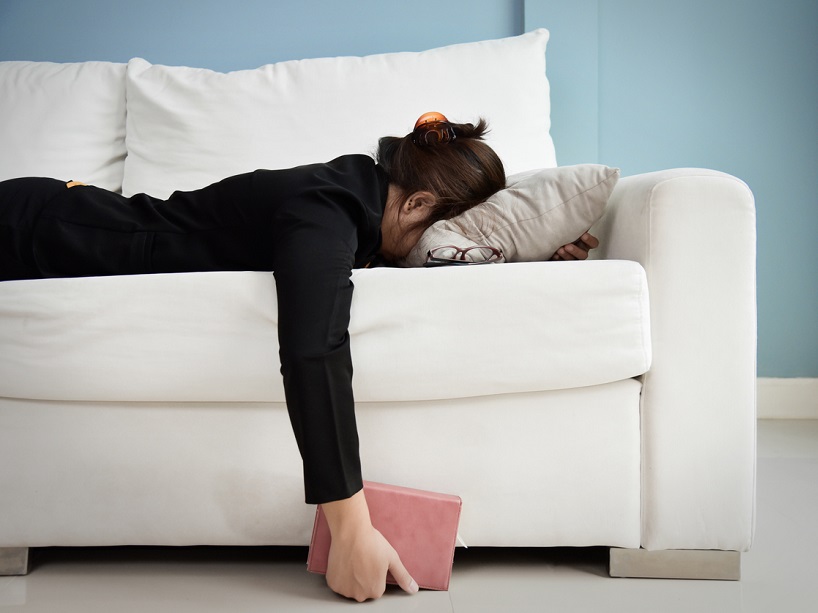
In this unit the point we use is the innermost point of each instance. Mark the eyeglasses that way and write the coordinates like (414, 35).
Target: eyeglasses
(450, 255)
(432, 129)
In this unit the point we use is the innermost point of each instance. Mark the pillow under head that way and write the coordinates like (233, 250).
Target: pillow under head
(537, 213)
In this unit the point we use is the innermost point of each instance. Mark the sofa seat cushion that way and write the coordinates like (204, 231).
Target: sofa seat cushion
(416, 334)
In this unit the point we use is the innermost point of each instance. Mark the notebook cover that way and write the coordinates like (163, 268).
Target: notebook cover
(420, 525)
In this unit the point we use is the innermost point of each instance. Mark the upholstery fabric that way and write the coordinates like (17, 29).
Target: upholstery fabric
(229, 473)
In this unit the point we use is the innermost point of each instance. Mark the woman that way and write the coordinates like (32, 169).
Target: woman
(310, 225)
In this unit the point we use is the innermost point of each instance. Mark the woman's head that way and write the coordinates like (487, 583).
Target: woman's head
(443, 167)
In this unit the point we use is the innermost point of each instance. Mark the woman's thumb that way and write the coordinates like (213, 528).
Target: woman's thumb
(401, 575)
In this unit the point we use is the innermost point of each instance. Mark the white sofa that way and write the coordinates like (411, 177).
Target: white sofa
(564, 405)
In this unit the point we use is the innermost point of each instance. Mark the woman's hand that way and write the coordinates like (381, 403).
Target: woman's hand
(578, 250)
(359, 555)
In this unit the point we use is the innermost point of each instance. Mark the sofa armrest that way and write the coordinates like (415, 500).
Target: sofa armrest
(694, 233)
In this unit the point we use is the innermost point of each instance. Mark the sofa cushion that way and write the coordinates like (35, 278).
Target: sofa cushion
(539, 212)
(63, 120)
(188, 127)
(416, 333)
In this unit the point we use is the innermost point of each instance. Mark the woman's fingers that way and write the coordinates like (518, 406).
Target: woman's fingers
(578, 250)
(359, 561)
(591, 241)
(570, 252)
(402, 575)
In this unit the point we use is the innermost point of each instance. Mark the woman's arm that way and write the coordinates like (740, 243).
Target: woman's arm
(312, 271)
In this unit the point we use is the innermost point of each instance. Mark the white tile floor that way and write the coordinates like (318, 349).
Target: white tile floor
(780, 574)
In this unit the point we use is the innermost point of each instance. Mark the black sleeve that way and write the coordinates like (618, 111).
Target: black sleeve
(313, 265)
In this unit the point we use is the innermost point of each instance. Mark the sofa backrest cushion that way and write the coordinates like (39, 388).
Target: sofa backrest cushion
(65, 121)
(188, 127)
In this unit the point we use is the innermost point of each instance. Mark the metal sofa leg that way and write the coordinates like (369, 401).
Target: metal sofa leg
(13, 561)
(676, 564)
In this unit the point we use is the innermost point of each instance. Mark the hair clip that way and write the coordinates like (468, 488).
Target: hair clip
(432, 129)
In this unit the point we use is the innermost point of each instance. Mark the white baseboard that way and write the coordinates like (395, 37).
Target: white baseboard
(787, 398)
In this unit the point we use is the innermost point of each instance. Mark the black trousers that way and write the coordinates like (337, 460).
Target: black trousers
(21, 203)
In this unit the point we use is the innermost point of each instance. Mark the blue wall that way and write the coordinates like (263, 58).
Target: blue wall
(724, 84)
(234, 34)
(639, 84)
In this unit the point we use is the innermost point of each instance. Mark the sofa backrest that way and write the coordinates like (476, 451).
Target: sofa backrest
(188, 127)
(63, 120)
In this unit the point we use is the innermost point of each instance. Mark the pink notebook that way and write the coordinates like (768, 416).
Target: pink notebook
(420, 525)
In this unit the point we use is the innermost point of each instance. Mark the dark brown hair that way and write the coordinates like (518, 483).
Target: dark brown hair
(461, 173)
